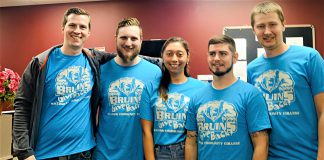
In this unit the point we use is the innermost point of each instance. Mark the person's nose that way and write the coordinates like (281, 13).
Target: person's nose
(174, 58)
(128, 42)
(77, 29)
(216, 57)
(267, 30)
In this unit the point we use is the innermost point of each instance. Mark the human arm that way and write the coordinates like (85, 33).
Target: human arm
(155, 60)
(102, 57)
(260, 140)
(319, 103)
(191, 147)
(148, 139)
(191, 152)
(23, 111)
(147, 118)
(31, 158)
(258, 122)
(315, 69)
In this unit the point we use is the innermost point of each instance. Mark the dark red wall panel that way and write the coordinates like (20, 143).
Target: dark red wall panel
(28, 30)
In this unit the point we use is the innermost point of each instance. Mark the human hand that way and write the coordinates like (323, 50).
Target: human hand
(31, 158)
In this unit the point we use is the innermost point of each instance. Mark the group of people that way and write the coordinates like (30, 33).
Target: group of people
(74, 103)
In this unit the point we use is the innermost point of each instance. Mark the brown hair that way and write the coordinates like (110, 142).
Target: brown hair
(267, 7)
(129, 22)
(223, 39)
(77, 11)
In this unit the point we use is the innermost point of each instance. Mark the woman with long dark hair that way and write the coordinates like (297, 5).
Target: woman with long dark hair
(164, 106)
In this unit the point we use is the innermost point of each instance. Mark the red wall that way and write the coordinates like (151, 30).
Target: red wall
(28, 30)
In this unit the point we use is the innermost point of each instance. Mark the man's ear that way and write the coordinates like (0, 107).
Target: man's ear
(235, 57)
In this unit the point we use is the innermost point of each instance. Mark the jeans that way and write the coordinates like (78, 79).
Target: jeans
(86, 155)
(169, 152)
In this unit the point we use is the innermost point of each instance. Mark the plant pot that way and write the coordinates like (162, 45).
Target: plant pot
(5, 106)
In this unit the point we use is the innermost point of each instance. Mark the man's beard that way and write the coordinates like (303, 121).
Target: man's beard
(127, 58)
(219, 74)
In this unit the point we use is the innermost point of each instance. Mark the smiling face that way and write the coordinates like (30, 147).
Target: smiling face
(76, 31)
(128, 43)
(221, 59)
(269, 30)
(175, 58)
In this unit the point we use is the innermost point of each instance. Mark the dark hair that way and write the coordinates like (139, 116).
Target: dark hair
(223, 39)
(77, 11)
(166, 78)
(129, 22)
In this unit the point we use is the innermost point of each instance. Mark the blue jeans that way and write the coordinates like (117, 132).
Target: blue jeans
(169, 152)
(86, 155)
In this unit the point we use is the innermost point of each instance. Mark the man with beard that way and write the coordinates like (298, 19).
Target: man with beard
(291, 80)
(119, 133)
(228, 118)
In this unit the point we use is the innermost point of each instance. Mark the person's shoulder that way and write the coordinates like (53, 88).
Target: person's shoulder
(303, 50)
(206, 87)
(42, 57)
(199, 93)
(196, 81)
(256, 62)
(306, 48)
(247, 87)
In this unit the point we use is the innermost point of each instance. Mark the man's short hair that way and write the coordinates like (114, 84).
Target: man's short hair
(77, 11)
(223, 39)
(267, 7)
(129, 22)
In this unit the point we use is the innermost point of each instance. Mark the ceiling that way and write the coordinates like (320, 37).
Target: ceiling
(9, 3)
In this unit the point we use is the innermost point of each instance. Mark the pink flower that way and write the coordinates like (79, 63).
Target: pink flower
(13, 86)
(9, 71)
(3, 76)
(2, 90)
(9, 82)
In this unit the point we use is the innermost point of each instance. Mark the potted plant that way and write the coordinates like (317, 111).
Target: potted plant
(9, 81)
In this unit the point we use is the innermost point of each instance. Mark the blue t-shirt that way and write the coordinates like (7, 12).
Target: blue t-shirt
(224, 120)
(288, 83)
(168, 116)
(65, 126)
(119, 133)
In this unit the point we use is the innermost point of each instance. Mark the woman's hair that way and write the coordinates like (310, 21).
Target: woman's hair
(166, 78)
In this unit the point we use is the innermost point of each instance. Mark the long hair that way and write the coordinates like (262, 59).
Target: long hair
(166, 77)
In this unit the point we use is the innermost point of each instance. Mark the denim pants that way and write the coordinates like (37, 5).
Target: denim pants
(169, 152)
(86, 155)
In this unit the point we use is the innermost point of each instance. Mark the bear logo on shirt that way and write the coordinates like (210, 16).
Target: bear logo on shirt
(172, 112)
(71, 84)
(216, 120)
(277, 88)
(125, 94)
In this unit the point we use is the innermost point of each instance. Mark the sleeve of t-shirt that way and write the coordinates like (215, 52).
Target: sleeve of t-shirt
(249, 75)
(191, 121)
(316, 73)
(146, 111)
(257, 112)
